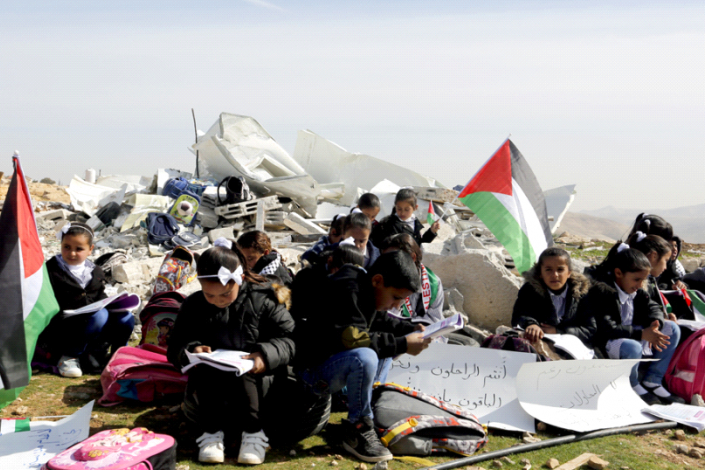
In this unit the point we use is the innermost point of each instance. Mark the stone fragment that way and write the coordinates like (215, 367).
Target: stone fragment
(497, 464)
(216, 233)
(381, 466)
(596, 463)
(697, 400)
(137, 272)
(525, 461)
(681, 448)
(55, 215)
(20, 411)
(488, 288)
(541, 426)
(552, 463)
(696, 453)
(300, 225)
(680, 435)
(333, 463)
(95, 223)
(362, 466)
(453, 300)
(507, 460)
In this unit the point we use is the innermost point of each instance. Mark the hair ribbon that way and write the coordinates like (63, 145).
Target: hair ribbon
(621, 247)
(357, 210)
(347, 241)
(63, 231)
(640, 236)
(225, 275)
(224, 243)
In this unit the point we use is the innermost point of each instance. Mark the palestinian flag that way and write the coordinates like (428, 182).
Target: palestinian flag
(506, 196)
(27, 303)
(431, 217)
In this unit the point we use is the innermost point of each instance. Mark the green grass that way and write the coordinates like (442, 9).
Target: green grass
(51, 395)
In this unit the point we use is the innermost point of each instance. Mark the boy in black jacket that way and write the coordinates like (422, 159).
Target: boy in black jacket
(343, 337)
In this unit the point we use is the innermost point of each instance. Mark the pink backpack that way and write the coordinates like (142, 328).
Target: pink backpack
(118, 449)
(142, 373)
(686, 372)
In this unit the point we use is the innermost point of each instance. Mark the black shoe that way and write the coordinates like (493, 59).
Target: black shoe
(361, 440)
(650, 399)
(665, 400)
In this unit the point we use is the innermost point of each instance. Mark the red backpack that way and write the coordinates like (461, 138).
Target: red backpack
(142, 373)
(158, 317)
(685, 376)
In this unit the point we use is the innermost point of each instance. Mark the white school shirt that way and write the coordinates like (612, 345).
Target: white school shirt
(559, 302)
(627, 315)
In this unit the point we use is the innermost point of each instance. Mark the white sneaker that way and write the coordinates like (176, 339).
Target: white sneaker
(211, 446)
(70, 367)
(252, 448)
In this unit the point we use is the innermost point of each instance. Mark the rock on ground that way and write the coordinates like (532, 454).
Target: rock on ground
(488, 288)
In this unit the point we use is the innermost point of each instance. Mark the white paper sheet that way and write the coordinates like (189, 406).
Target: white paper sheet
(480, 380)
(581, 395)
(571, 345)
(693, 416)
(45, 439)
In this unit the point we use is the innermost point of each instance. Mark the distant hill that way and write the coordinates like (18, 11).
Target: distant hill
(588, 226)
(688, 222)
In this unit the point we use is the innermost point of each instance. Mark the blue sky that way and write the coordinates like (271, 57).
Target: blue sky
(606, 95)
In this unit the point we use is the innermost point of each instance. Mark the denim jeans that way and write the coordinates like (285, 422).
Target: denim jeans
(354, 369)
(79, 331)
(631, 349)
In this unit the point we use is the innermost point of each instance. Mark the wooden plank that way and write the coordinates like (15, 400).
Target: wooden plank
(577, 462)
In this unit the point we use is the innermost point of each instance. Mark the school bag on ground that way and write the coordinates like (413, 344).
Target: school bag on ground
(685, 376)
(410, 422)
(510, 341)
(236, 190)
(160, 228)
(118, 449)
(174, 187)
(176, 270)
(185, 208)
(140, 373)
(158, 317)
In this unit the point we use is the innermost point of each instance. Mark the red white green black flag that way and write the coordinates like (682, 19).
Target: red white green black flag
(506, 196)
(27, 303)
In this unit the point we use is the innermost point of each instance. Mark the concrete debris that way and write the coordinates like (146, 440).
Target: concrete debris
(697, 400)
(300, 225)
(577, 462)
(507, 460)
(239, 146)
(696, 453)
(328, 162)
(680, 435)
(225, 232)
(488, 288)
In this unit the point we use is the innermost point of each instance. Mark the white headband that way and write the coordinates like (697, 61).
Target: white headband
(337, 216)
(225, 275)
(223, 242)
(640, 236)
(622, 247)
(357, 210)
(347, 241)
(65, 229)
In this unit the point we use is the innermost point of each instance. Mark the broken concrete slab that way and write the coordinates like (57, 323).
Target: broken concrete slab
(225, 232)
(300, 225)
(328, 162)
(138, 272)
(435, 194)
(488, 288)
(88, 198)
(558, 201)
(239, 145)
(55, 215)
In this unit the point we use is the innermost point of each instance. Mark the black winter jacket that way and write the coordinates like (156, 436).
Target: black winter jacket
(254, 322)
(602, 303)
(391, 225)
(69, 293)
(534, 306)
(671, 275)
(344, 310)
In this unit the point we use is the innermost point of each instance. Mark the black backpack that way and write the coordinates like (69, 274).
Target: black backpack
(161, 228)
(236, 190)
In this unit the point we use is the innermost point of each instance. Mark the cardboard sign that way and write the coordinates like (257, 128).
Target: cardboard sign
(480, 380)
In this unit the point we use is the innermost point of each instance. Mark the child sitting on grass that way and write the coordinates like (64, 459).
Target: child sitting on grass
(548, 301)
(348, 332)
(629, 324)
(235, 310)
(78, 282)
